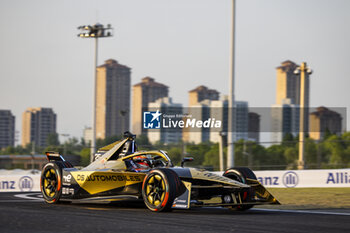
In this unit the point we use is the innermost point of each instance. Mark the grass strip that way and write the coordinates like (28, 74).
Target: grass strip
(310, 198)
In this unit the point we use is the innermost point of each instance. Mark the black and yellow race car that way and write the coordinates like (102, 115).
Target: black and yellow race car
(120, 172)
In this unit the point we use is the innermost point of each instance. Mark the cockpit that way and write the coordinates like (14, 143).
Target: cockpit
(124, 154)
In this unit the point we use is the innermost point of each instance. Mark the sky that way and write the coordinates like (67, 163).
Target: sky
(183, 44)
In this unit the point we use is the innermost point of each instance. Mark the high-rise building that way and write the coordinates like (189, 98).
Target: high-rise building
(288, 83)
(145, 92)
(200, 111)
(247, 123)
(241, 108)
(219, 111)
(284, 119)
(324, 120)
(166, 135)
(37, 125)
(199, 106)
(202, 93)
(254, 126)
(112, 99)
(7, 129)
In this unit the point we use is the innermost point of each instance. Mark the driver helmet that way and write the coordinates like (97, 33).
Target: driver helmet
(142, 161)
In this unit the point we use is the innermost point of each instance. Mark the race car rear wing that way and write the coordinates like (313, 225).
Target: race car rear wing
(55, 156)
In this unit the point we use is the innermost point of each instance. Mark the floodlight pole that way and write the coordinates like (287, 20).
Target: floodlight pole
(221, 150)
(94, 31)
(231, 101)
(93, 139)
(303, 70)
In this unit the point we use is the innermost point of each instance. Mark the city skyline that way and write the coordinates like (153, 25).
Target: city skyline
(204, 94)
(39, 48)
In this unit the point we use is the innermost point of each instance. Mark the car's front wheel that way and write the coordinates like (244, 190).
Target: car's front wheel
(241, 174)
(159, 189)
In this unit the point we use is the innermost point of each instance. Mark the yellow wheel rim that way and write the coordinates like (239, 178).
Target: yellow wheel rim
(50, 182)
(155, 190)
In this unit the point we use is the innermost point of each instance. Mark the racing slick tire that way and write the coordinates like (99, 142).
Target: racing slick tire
(51, 182)
(241, 174)
(160, 188)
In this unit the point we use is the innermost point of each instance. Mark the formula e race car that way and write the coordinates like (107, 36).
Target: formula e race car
(120, 172)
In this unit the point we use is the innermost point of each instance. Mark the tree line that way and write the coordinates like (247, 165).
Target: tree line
(332, 152)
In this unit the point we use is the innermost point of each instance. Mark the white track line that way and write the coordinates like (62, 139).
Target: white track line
(303, 211)
(27, 196)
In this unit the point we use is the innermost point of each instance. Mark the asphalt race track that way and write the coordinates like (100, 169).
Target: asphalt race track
(29, 213)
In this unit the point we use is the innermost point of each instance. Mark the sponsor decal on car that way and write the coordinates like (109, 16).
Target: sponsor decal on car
(183, 201)
(67, 191)
(108, 178)
(95, 182)
(67, 178)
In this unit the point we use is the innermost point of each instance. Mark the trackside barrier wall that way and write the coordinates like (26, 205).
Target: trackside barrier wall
(20, 183)
(330, 178)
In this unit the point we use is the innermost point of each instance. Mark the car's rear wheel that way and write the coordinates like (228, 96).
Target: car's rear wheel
(159, 189)
(50, 183)
(241, 174)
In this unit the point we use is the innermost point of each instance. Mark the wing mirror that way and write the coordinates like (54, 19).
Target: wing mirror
(186, 159)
